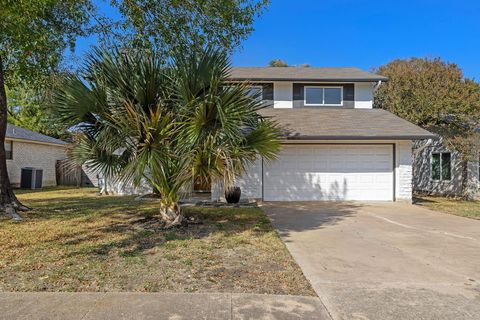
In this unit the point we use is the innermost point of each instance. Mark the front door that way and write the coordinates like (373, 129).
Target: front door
(201, 185)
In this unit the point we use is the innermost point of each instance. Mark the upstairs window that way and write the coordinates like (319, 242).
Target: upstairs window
(323, 96)
(255, 92)
(441, 166)
(9, 150)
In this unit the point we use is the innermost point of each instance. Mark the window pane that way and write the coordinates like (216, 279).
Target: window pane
(314, 96)
(446, 167)
(436, 166)
(255, 92)
(8, 149)
(333, 96)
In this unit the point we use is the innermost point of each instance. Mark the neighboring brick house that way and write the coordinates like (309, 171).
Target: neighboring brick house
(26, 148)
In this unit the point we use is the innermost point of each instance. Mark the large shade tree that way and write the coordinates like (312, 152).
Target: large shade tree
(174, 24)
(142, 120)
(436, 96)
(33, 37)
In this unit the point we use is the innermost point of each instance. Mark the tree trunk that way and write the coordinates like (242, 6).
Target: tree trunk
(8, 201)
(171, 214)
(466, 183)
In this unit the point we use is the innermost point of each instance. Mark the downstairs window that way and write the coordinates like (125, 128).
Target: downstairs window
(8, 150)
(441, 166)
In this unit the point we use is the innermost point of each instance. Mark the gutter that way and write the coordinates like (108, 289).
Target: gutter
(38, 142)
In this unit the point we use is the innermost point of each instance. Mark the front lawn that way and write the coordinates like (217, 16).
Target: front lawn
(74, 240)
(463, 208)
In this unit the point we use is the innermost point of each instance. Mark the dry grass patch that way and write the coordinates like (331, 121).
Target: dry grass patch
(76, 241)
(463, 208)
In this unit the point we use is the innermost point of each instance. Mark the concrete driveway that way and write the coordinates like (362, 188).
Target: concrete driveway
(384, 260)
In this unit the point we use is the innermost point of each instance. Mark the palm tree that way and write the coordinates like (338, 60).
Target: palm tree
(144, 120)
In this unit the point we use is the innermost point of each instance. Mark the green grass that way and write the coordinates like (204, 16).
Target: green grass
(463, 208)
(74, 240)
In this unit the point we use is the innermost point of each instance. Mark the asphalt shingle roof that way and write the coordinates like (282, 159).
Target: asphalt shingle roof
(14, 132)
(343, 124)
(303, 74)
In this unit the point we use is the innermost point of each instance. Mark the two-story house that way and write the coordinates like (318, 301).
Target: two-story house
(335, 145)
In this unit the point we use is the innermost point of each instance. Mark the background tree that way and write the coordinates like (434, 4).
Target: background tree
(169, 25)
(436, 96)
(143, 121)
(28, 108)
(278, 63)
(162, 25)
(33, 37)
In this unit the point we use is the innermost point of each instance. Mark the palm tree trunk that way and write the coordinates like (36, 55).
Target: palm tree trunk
(9, 203)
(171, 213)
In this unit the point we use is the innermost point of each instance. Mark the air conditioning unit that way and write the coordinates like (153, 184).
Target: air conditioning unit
(31, 178)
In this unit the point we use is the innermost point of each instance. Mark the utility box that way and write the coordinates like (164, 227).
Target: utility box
(31, 178)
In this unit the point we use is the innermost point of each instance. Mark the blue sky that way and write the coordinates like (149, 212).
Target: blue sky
(362, 33)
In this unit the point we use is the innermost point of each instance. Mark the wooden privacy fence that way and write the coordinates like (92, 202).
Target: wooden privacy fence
(71, 175)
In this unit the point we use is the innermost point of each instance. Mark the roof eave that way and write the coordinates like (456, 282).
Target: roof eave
(63, 144)
(342, 137)
(307, 79)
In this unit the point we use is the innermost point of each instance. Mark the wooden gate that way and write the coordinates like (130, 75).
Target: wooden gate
(71, 175)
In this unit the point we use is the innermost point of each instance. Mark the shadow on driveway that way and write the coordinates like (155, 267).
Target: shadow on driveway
(290, 217)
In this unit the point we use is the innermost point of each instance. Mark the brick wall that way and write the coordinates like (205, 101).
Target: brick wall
(403, 172)
(36, 155)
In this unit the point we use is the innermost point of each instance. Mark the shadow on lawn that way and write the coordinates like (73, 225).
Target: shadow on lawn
(141, 236)
(99, 225)
(420, 200)
(65, 208)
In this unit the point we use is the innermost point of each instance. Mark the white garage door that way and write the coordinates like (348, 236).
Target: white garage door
(330, 172)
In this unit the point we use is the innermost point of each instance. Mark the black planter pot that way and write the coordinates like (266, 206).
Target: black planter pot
(233, 195)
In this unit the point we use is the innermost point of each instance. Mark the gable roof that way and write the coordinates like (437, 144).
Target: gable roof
(343, 124)
(303, 74)
(15, 132)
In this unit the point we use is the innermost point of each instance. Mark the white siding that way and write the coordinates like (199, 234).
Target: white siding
(127, 188)
(403, 171)
(217, 191)
(36, 155)
(283, 94)
(250, 183)
(363, 95)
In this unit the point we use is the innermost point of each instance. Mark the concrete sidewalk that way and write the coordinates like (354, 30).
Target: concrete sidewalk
(119, 306)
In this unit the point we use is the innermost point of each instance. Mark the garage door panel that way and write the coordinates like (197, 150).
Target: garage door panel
(333, 172)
